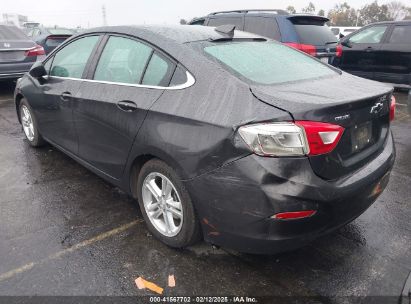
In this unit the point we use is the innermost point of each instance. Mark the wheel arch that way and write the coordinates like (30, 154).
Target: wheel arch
(18, 100)
(142, 158)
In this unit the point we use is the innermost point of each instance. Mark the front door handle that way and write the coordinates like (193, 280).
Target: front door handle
(65, 96)
(127, 106)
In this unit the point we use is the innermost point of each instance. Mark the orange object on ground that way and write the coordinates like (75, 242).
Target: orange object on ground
(141, 284)
(171, 281)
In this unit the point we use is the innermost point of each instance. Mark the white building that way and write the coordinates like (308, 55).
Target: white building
(16, 19)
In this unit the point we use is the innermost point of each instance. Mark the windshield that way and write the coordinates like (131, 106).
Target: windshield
(267, 62)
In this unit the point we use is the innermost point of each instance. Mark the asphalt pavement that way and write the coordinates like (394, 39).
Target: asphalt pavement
(65, 231)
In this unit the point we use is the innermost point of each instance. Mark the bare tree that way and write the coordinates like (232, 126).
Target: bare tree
(321, 12)
(373, 12)
(291, 9)
(397, 10)
(310, 9)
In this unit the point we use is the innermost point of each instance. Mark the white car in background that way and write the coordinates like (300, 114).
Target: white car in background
(341, 32)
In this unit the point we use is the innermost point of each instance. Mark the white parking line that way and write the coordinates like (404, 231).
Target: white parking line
(100, 237)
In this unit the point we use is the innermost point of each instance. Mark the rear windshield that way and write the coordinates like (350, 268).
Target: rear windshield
(54, 31)
(267, 62)
(8, 32)
(313, 32)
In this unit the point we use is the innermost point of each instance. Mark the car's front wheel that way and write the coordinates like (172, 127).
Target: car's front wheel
(166, 205)
(29, 124)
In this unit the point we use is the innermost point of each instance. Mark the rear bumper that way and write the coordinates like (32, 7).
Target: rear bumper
(14, 70)
(235, 203)
(7, 76)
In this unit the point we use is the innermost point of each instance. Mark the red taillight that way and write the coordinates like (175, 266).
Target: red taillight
(322, 137)
(294, 215)
(339, 51)
(35, 51)
(306, 48)
(392, 108)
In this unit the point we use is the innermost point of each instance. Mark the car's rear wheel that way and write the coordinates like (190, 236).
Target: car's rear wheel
(29, 124)
(166, 205)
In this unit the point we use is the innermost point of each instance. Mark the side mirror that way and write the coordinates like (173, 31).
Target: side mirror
(346, 43)
(38, 70)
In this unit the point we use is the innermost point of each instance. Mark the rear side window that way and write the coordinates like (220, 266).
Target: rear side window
(313, 32)
(179, 77)
(401, 34)
(267, 62)
(8, 32)
(335, 30)
(71, 60)
(370, 35)
(237, 21)
(123, 60)
(158, 72)
(264, 26)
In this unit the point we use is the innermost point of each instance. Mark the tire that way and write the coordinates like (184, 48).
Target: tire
(184, 230)
(33, 137)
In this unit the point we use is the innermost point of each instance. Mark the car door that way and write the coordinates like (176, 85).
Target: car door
(394, 57)
(360, 51)
(127, 79)
(61, 89)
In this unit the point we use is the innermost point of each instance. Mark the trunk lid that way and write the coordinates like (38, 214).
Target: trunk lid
(14, 50)
(312, 30)
(360, 106)
(13, 44)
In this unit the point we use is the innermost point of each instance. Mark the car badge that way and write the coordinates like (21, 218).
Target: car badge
(343, 117)
(7, 45)
(327, 50)
(377, 107)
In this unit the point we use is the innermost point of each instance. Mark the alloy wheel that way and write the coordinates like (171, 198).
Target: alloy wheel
(162, 204)
(27, 122)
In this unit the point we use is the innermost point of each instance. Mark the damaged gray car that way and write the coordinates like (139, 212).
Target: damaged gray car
(219, 134)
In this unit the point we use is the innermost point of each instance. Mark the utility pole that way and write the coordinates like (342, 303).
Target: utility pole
(104, 15)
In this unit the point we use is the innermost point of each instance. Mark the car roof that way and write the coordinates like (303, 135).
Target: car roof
(179, 34)
(277, 13)
(391, 22)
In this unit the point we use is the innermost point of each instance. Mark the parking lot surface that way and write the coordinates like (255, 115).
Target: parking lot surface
(65, 231)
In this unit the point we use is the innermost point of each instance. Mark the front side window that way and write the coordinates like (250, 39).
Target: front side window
(401, 34)
(370, 35)
(267, 62)
(71, 60)
(123, 60)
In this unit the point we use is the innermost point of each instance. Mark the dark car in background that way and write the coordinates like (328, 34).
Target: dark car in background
(307, 33)
(50, 37)
(379, 51)
(217, 133)
(17, 52)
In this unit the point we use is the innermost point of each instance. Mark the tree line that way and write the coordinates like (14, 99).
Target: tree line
(344, 15)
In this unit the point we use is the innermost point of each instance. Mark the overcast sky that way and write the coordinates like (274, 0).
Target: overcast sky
(88, 13)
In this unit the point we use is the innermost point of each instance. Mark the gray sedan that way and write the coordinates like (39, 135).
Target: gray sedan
(17, 52)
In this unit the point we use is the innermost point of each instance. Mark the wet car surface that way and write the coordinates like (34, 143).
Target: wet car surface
(64, 231)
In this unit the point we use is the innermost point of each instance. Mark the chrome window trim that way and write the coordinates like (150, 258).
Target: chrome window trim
(190, 81)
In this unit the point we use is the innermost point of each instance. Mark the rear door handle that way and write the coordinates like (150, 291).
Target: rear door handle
(127, 106)
(65, 96)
